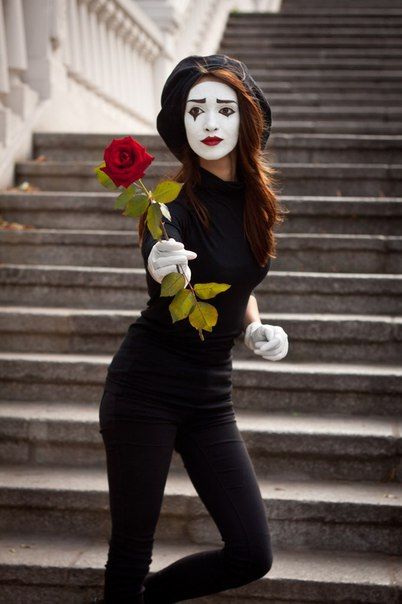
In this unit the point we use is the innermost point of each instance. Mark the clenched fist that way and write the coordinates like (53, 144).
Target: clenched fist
(268, 341)
(165, 255)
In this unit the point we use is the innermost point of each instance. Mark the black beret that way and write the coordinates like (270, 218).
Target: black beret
(170, 119)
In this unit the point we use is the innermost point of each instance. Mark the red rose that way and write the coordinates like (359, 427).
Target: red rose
(126, 161)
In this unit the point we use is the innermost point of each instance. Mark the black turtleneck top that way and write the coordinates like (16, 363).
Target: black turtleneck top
(159, 360)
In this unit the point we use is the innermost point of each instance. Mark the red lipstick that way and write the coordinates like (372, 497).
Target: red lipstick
(212, 140)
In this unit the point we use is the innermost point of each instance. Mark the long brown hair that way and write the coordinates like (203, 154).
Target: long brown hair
(262, 210)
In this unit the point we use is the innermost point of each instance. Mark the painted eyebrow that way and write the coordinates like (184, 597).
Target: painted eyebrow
(217, 100)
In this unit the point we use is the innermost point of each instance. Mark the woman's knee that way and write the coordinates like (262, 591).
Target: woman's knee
(252, 560)
(261, 559)
(261, 563)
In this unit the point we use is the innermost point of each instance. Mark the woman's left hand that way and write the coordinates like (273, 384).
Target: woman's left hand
(268, 341)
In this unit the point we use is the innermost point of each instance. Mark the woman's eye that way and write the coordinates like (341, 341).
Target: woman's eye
(191, 112)
(229, 108)
(195, 109)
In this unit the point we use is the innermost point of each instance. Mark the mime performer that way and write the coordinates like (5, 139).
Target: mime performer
(167, 389)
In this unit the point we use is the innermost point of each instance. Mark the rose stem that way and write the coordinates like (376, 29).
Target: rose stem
(178, 266)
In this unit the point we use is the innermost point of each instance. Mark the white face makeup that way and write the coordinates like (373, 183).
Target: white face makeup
(212, 112)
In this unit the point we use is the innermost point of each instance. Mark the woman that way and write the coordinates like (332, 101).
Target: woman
(166, 388)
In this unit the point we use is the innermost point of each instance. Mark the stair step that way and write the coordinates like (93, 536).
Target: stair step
(306, 387)
(304, 12)
(320, 84)
(285, 291)
(107, 248)
(318, 25)
(364, 75)
(289, 446)
(311, 21)
(307, 214)
(77, 567)
(283, 62)
(246, 54)
(341, 56)
(271, 30)
(314, 147)
(372, 128)
(279, 100)
(329, 337)
(337, 86)
(322, 148)
(293, 178)
(341, 5)
(271, 34)
(285, 39)
(362, 516)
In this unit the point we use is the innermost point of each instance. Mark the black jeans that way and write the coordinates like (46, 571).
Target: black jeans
(139, 440)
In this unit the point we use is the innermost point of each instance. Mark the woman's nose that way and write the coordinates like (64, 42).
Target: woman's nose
(211, 121)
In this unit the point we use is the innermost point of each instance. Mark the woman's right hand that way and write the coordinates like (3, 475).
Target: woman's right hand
(165, 255)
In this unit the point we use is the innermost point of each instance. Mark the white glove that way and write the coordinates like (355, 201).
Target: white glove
(164, 256)
(268, 341)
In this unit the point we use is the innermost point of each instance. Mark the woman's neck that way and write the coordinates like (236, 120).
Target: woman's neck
(225, 168)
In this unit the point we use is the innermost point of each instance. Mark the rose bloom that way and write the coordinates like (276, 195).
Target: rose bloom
(126, 161)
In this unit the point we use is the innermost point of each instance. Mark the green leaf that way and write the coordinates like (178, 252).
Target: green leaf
(137, 206)
(167, 191)
(182, 304)
(104, 179)
(210, 290)
(204, 316)
(124, 197)
(172, 283)
(153, 219)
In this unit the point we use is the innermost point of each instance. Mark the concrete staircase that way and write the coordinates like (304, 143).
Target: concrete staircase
(323, 426)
